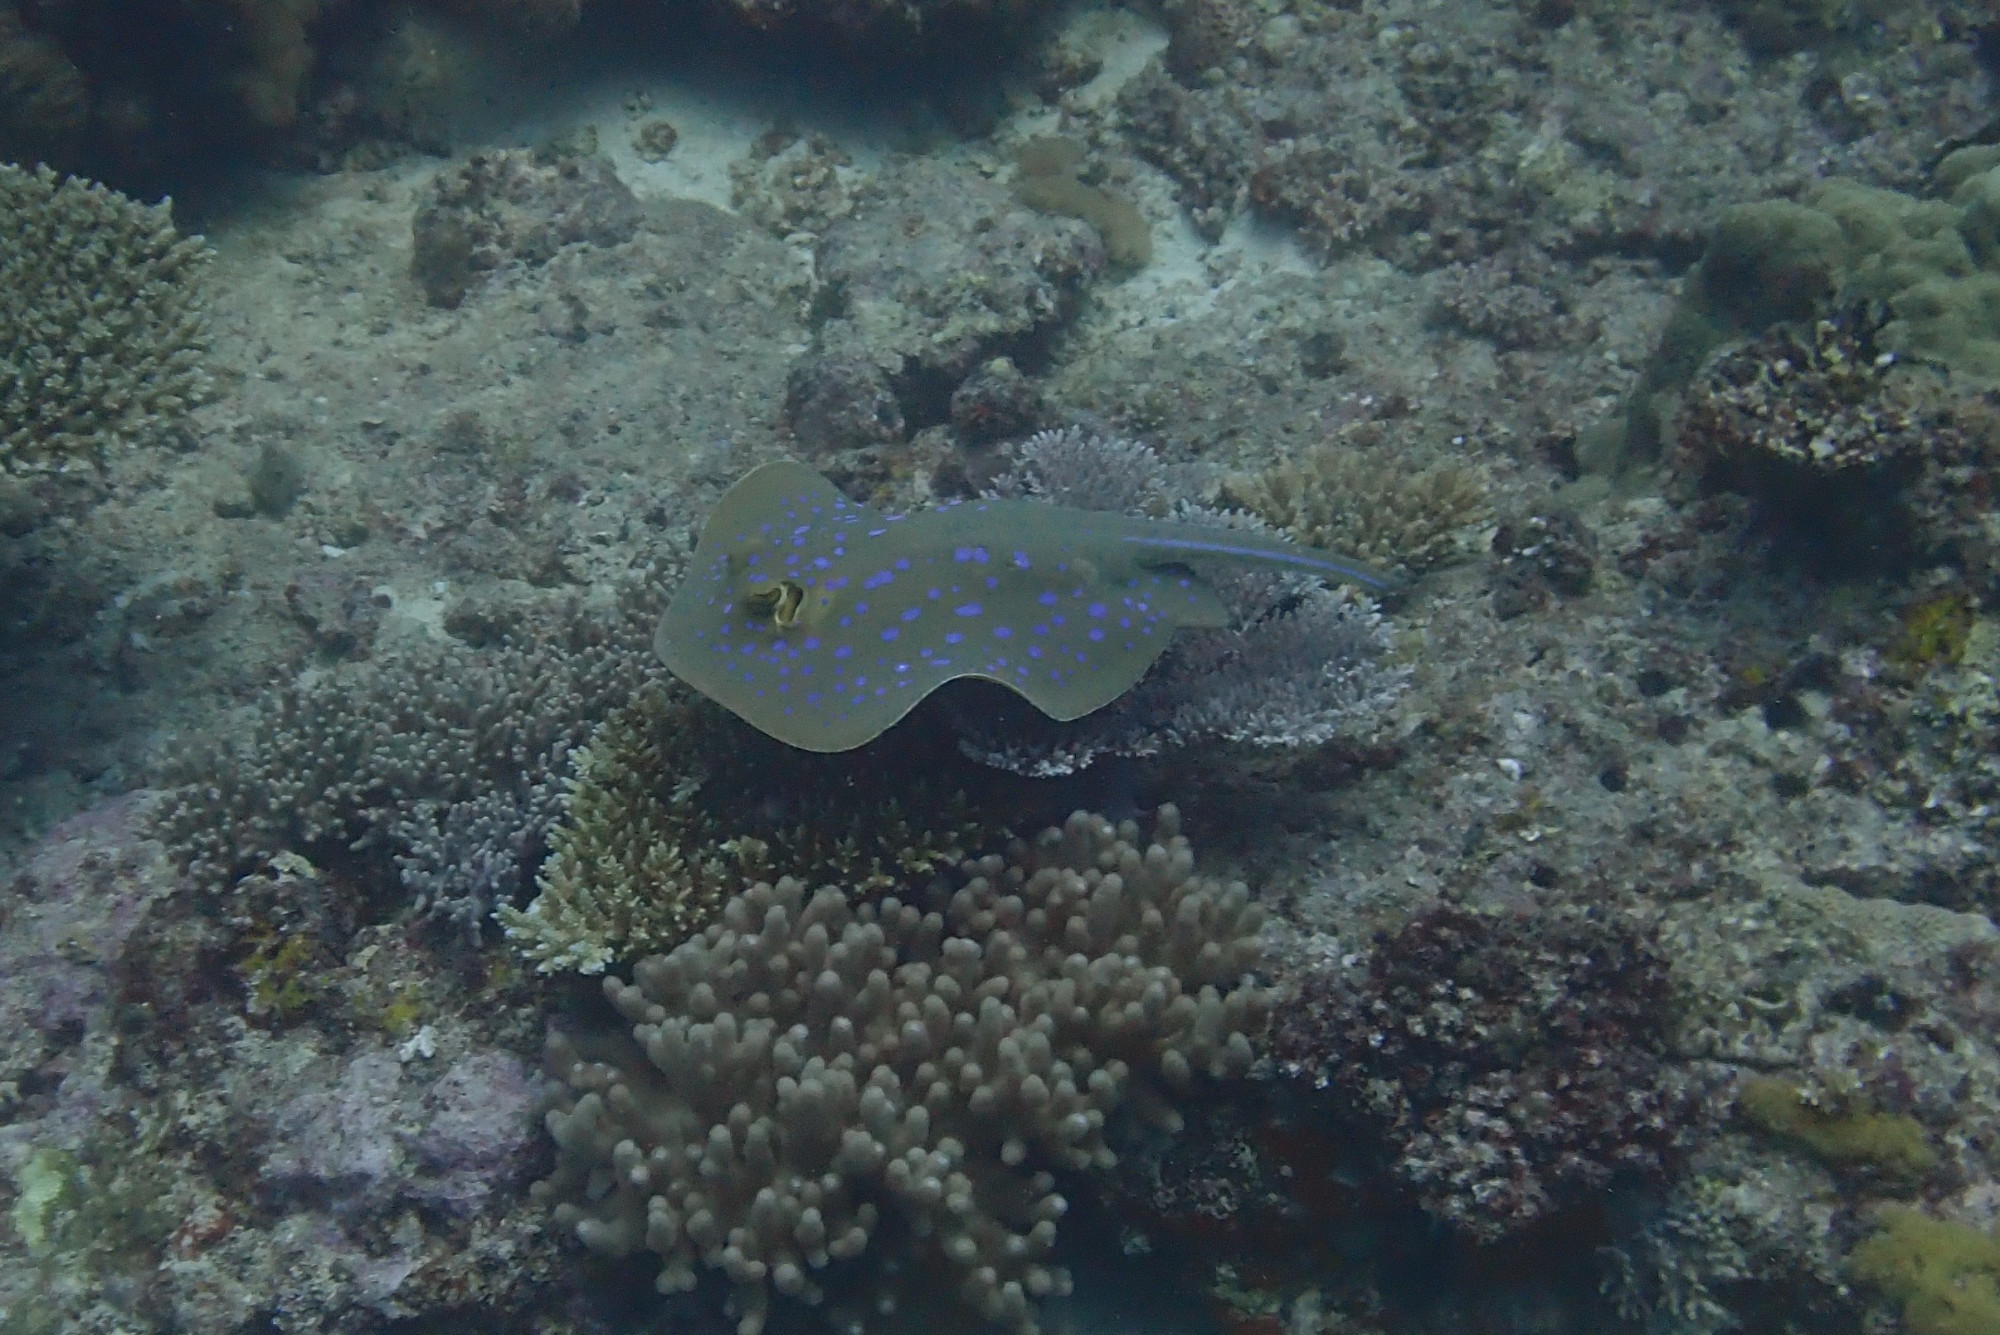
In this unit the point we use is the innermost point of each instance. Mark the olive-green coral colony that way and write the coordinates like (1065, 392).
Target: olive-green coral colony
(102, 326)
(813, 1077)
(1337, 497)
(674, 807)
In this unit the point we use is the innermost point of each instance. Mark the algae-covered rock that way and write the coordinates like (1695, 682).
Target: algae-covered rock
(1931, 266)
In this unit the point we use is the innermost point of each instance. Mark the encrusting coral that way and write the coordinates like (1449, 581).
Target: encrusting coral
(674, 807)
(102, 321)
(1947, 1275)
(815, 1077)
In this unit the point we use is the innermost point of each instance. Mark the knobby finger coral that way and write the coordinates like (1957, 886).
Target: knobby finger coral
(815, 1077)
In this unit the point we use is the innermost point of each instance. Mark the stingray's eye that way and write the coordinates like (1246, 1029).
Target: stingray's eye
(780, 600)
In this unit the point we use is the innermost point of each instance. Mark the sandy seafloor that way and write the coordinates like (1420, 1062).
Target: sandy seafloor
(1703, 741)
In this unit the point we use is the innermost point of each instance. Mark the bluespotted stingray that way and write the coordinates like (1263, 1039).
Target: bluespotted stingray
(822, 622)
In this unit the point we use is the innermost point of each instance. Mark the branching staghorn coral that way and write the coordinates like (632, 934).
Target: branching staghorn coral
(102, 321)
(813, 1077)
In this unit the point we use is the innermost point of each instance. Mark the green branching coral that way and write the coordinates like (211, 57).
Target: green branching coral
(1338, 498)
(674, 807)
(102, 326)
(1946, 1275)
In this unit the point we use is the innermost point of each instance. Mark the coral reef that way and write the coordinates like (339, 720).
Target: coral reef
(674, 807)
(102, 321)
(1046, 180)
(1946, 1274)
(1513, 1065)
(1301, 664)
(514, 206)
(1366, 505)
(1925, 269)
(1435, 137)
(792, 184)
(1869, 460)
(813, 1078)
(1854, 1135)
(1544, 553)
(413, 755)
(912, 301)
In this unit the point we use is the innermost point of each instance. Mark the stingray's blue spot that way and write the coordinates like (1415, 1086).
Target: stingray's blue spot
(877, 532)
(1020, 672)
(912, 613)
(792, 559)
(878, 579)
(837, 582)
(1034, 651)
(902, 667)
(752, 560)
(961, 553)
(934, 593)
(846, 622)
(1047, 598)
(1003, 632)
(881, 690)
(1125, 623)
(764, 528)
(967, 609)
(942, 662)
(860, 608)
(806, 670)
(1096, 633)
(902, 563)
(861, 681)
(811, 642)
(1041, 628)
(802, 528)
(748, 649)
(1021, 561)
(1186, 583)
(923, 653)
(1059, 621)
(981, 555)
(1096, 609)
(891, 633)
(992, 581)
(953, 637)
(843, 650)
